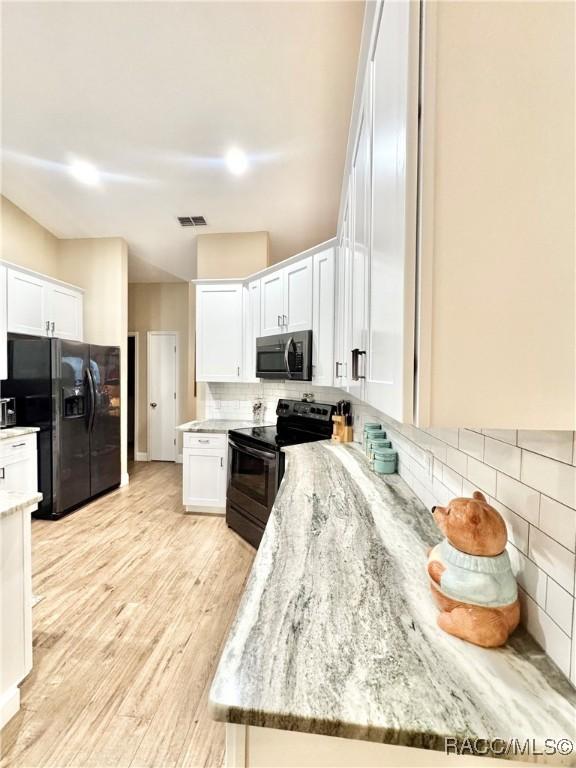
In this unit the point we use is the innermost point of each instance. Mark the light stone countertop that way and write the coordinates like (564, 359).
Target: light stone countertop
(336, 632)
(10, 432)
(16, 501)
(217, 425)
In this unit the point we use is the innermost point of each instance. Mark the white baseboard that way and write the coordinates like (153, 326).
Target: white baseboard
(141, 456)
(9, 704)
(125, 479)
(206, 510)
(179, 459)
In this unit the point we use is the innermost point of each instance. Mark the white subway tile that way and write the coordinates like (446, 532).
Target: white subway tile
(551, 477)
(553, 443)
(471, 443)
(468, 488)
(558, 521)
(517, 527)
(553, 558)
(520, 498)
(446, 434)
(502, 456)
(555, 642)
(432, 444)
(559, 605)
(452, 480)
(482, 476)
(529, 576)
(506, 435)
(437, 469)
(442, 494)
(457, 460)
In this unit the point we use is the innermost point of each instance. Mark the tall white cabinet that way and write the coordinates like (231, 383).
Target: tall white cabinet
(3, 324)
(323, 317)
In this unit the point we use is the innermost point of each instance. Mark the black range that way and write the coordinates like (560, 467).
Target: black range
(256, 462)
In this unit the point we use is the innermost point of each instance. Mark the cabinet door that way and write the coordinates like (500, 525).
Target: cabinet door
(19, 474)
(27, 303)
(342, 329)
(65, 313)
(204, 477)
(390, 359)
(359, 254)
(3, 325)
(298, 295)
(219, 332)
(251, 328)
(272, 303)
(323, 319)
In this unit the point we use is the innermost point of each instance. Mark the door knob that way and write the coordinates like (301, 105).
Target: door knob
(153, 405)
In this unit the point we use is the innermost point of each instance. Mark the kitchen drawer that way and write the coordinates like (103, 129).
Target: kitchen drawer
(16, 446)
(204, 440)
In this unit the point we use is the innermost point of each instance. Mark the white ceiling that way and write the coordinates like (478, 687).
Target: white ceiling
(154, 93)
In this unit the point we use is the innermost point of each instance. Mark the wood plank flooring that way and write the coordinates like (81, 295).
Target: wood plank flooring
(138, 598)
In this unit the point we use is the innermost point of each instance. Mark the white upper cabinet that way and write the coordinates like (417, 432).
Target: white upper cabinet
(298, 295)
(28, 299)
(391, 285)
(3, 325)
(323, 318)
(252, 316)
(39, 306)
(272, 303)
(65, 311)
(219, 334)
(286, 298)
(342, 308)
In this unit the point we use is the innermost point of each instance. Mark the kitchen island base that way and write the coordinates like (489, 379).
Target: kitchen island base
(248, 746)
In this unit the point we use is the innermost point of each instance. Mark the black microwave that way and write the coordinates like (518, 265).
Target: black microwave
(285, 356)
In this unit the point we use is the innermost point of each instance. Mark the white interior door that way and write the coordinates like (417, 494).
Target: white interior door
(162, 395)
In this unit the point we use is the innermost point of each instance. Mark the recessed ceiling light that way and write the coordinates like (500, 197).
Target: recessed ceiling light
(236, 161)
(84, 172)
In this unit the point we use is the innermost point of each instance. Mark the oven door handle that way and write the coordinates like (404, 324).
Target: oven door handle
(251, 451)
(286, 356)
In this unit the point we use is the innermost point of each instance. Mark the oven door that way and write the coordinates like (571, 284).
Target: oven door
(252, 479)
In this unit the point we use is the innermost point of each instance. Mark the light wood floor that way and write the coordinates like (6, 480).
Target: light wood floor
(138, 598)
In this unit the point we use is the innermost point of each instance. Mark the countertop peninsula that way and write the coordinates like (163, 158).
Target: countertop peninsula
(336, 632)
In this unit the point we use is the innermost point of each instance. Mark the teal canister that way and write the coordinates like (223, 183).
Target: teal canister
(376, 444)
(372, 430)
(385, 461)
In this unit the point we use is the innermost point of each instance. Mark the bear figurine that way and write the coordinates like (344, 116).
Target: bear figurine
(470, 573)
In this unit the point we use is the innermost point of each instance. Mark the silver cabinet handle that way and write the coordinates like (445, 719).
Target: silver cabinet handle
(153, 405)
(238, 371)
(18, 445)
(203, 440)
(221, 462)
(2, 473)
(285, 318)
(48, 327)
(52, 324)
(279, 321)
(338, 374)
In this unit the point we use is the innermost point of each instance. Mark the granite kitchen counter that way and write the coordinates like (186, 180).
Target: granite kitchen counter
(216, 425)
(336, 632)
(10, 432)
(16, 501)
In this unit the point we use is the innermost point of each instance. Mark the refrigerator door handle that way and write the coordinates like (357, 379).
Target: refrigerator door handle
(92, 388)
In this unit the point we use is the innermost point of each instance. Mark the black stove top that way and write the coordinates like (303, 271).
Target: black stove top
(298, 422)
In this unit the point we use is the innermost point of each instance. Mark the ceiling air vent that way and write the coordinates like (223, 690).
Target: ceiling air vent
(192, 221)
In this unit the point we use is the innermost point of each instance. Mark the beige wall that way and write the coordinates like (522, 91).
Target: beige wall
(237, 254)
(163, 307)
(99, 265)
(25, 242)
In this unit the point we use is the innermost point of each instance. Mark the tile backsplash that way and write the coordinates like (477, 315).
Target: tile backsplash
(529, 476)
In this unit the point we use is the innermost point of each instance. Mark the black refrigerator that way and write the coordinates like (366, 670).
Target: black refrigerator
(71, 391)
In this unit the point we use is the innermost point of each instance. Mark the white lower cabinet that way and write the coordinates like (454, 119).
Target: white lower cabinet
(205, 470)
(18, 472)
(3, 325)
